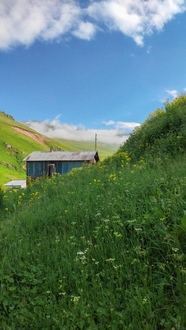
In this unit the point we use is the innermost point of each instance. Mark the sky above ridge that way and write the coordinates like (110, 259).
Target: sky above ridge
(85, 67)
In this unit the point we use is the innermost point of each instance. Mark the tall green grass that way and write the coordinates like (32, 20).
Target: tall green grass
(100, 248)
(103, 247)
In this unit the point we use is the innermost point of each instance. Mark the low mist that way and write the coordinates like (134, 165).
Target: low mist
(115, 133)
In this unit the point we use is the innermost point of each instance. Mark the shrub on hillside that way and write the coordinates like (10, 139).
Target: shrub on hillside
(118, 160)
(163, 132)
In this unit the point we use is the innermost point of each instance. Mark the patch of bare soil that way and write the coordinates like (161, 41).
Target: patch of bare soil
(34, 136)
(8, 165)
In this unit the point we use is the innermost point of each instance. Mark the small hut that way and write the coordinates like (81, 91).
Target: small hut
(39, 163)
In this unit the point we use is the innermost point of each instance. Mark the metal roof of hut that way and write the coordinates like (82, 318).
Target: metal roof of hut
(61, 156)
(15, 184)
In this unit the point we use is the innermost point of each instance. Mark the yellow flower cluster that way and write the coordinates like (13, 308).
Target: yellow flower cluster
(112, 177)
(34, 196)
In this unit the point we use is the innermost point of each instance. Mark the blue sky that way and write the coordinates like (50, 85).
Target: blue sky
(90, 66)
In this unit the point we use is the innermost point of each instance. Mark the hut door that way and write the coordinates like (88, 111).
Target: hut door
(51, 170)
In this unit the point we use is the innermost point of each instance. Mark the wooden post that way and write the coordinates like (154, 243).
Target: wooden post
(95, 142)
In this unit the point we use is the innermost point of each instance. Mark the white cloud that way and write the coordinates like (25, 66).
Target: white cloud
(85, 31)
(135, 18)
(127, 127)
(108, 123)
(149, 49)
(125, 17)
(173, 93)
(24, 21)
(54, 129)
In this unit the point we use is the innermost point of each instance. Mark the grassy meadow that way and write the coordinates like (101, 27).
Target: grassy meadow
(103, 247)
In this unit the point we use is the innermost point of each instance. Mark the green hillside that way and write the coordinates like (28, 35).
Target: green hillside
(164, 132)
(104, 150)
(16, 142)
(102, 247)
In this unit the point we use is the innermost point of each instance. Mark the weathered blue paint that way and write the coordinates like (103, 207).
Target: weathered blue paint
(39, 169)
(45, 163)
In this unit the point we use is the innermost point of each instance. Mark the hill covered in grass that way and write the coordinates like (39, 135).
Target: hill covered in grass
(164, 132)
(18, 140)
(103, 247)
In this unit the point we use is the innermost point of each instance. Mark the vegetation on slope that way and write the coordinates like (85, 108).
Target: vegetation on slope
(164, 132)
(16, 142)
(103, 247)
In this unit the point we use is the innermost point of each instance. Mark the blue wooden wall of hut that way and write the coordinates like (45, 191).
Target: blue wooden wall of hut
(40, 168)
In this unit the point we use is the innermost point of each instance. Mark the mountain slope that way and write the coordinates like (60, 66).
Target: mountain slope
(163, 132)
(17, 141)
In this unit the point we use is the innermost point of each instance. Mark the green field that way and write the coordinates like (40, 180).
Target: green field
(104, 246)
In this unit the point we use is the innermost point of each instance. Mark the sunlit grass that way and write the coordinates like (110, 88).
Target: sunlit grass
(99, 248)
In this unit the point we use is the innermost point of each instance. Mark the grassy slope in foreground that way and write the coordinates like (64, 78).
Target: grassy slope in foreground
(100, 248)
(16, 142)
